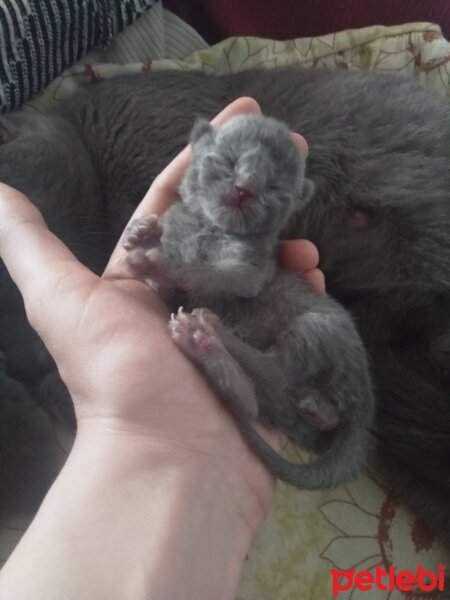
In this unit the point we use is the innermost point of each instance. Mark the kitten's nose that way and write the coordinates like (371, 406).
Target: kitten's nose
(241, 193)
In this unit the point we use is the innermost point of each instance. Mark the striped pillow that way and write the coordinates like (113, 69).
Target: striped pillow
(41, 38)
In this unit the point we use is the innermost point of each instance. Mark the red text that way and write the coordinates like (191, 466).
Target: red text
(388, 580)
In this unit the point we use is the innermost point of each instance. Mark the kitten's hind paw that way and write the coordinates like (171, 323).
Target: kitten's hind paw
(199, 341)
(319, 413)
(204, 315)
(194, 335)
(142, 233)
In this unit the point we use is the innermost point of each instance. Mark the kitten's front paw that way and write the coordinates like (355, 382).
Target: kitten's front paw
(147, 264)
(142, 233)
(141, 240)
(193, 334)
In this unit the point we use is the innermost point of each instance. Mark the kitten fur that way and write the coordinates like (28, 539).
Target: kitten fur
(303, 367)
(380, 217)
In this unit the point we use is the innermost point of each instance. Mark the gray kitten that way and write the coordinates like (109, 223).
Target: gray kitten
(272, 348)
(380, 217)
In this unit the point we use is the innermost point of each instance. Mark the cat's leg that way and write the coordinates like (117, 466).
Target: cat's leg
(327, 364)
(267, 369)
(263, 367)
(199, 340)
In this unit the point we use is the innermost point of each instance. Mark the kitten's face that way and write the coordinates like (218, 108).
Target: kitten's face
(246, 177)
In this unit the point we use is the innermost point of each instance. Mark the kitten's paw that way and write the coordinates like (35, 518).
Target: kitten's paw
(193, 335)
(142, 233)
(206, 316)
(146, 264)
(319, 413)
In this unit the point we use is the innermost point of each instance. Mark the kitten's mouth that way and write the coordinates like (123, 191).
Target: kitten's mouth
(242, 210)
(240, 195)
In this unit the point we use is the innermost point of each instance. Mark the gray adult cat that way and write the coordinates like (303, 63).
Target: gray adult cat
(380, 216)
(272, 348)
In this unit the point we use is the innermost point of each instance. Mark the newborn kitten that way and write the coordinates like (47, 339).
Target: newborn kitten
(272, 348)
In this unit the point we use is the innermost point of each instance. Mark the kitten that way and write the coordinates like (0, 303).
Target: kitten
(380, 216)
(272, 348)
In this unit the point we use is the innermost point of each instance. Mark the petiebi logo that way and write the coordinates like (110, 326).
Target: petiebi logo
(405, 581)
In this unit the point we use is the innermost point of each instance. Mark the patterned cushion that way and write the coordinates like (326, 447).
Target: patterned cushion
(41, 38)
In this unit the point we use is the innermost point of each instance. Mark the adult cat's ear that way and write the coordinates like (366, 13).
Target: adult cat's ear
(202, 130)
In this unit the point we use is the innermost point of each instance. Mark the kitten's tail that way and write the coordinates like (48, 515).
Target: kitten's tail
(340, 463)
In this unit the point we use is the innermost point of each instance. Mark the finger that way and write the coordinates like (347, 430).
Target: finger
(299, 255)
(38, 262)
(301, 144)
(317, 279)
(303, 256)
(165, 187)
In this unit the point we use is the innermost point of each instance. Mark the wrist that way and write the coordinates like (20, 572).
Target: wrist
(188, 528)
(214, 471)
(137, 518)
(222, 467)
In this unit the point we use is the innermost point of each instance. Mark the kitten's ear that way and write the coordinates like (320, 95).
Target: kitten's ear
(202, 128)
(309, 187)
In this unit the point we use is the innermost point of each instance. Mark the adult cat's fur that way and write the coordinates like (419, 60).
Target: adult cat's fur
(29, 458)
(273, 348)
(379, 156)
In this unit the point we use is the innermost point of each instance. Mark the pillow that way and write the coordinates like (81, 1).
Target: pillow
(41, 38)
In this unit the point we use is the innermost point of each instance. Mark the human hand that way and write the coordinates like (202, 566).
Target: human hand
(109, 337)
(153, 443)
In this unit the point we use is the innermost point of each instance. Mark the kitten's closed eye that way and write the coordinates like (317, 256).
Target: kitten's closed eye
(217, 168)
(218, 160)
